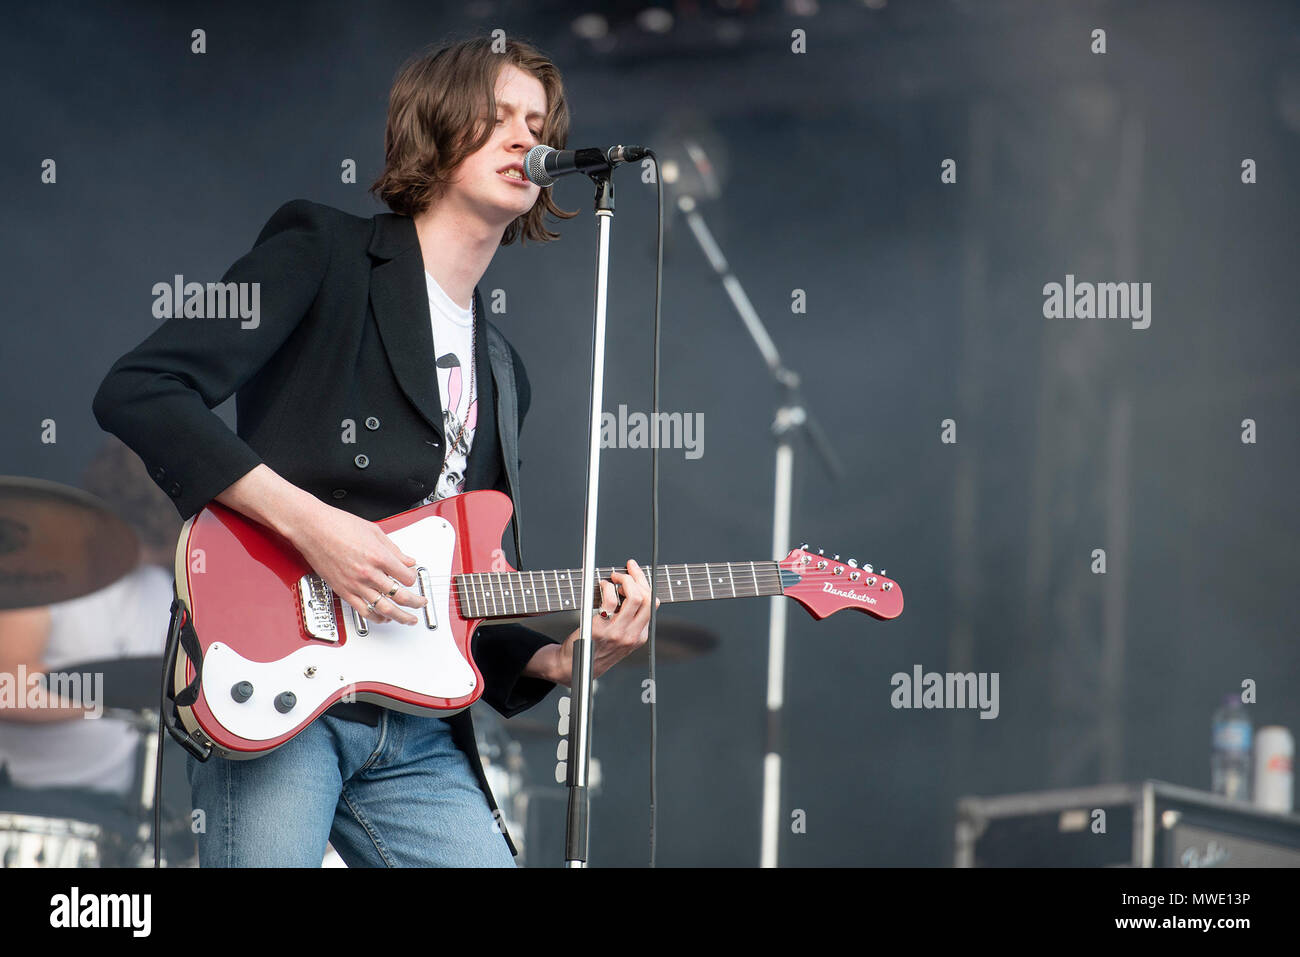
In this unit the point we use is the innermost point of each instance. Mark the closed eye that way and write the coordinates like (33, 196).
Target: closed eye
(537, 134)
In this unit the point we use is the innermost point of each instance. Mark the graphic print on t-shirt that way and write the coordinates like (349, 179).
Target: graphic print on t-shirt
(452, 327)
(452, 382)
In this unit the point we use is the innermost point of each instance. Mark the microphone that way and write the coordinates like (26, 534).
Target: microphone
(543, 165)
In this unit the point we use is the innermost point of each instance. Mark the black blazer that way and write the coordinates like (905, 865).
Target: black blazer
(342, 331)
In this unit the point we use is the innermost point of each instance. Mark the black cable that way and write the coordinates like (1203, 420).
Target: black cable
(654, 512)
(157, 783)
(169, 663)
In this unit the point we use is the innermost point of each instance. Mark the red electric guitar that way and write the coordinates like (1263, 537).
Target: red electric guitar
(278, 647)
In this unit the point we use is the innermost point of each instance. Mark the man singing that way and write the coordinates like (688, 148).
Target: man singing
(369, 382)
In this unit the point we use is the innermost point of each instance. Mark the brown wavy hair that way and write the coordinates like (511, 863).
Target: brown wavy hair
(440, 111)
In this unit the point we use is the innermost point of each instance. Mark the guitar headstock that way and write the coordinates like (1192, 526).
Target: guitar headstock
(824, 585)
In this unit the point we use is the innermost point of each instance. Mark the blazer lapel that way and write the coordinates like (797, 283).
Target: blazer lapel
(400, 300)
(484, 454)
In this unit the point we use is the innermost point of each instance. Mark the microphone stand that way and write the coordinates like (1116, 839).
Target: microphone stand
(791, 419)
(577, 825)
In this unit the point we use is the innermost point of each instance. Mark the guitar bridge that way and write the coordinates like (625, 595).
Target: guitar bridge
(318, 608)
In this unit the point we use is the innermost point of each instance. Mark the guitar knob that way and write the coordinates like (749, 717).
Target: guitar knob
(285, 701)
(242, 691)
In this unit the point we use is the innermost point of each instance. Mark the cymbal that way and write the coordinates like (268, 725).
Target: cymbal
(132, 684)
(675, 639)
(58, 543)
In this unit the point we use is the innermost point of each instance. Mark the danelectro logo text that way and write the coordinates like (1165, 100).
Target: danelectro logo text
(828, 587)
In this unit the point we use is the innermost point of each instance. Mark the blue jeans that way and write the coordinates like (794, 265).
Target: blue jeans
(397, 795)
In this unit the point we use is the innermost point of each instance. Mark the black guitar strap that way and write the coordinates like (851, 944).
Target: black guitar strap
(181, 636)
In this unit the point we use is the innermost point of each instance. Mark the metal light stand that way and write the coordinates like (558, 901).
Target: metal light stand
(791, 418)
(577, 823)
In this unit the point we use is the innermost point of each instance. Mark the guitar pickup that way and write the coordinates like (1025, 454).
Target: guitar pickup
(317, 600)
(425, 584)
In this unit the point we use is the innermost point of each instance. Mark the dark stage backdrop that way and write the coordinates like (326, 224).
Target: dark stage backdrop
(925, 303)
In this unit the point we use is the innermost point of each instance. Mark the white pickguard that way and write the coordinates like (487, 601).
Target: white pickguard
(414, 657)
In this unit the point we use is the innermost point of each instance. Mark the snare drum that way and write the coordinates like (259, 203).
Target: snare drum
(30, 841)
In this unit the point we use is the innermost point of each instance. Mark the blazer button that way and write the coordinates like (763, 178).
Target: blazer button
(175, 490)
(362, 461)
(159, 474)
(372, 423)
(340, 492)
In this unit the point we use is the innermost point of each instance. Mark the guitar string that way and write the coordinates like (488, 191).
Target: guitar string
(470, 591)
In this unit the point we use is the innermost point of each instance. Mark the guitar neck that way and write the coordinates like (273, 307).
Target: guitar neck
(516, 594)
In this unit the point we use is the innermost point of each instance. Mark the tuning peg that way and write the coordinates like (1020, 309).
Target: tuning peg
(821, 551)
(882, 571)
(803, 546)
(868, 569)
(853, 563)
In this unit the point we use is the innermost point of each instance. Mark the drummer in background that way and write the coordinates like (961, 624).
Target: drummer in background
(59, 748)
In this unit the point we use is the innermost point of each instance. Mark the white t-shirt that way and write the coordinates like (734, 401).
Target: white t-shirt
(453, 335)
(126, 619)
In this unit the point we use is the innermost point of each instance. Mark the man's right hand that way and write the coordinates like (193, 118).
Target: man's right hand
(354, 556)
(356, 559)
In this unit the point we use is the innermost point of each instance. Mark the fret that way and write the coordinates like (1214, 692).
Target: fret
(507, 594)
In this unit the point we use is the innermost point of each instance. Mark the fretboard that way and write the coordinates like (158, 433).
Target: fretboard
(514, 594)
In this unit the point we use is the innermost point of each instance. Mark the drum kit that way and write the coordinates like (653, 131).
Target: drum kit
(58, 543)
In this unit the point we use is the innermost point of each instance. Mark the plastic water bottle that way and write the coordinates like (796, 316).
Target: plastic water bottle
(1231, 743)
